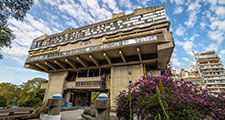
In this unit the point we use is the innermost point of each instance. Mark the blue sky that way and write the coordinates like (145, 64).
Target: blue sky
(196, 26)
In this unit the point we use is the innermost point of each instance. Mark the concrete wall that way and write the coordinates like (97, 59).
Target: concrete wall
(55, 84)
(120, 79)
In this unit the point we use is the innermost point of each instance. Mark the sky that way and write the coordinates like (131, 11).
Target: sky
(196, 26)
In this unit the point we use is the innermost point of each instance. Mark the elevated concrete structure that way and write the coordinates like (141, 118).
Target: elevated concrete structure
(103, 56)
(211, 70)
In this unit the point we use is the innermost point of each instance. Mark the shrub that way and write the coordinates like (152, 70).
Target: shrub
(34, 102)
(91, 112)
(184, 100)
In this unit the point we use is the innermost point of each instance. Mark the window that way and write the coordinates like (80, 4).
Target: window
(85, 42)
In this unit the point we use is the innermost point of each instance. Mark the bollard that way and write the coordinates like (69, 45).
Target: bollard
(54, 108)
(101, 106)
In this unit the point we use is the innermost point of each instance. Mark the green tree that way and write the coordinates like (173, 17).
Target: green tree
(31, 94)
(3, 101)
(9, 91)
(11, 9)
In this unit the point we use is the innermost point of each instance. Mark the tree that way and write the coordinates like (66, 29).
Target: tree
(31, 94)
(9, 91)
(11, 8)
(3, 101)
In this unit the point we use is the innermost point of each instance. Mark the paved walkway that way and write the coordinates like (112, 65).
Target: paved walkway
(72, 114)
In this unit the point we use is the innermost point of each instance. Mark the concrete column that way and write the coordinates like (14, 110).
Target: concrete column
(55, 84)
(120, 77)
(67, 96)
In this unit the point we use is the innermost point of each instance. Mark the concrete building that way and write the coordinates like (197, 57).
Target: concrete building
(211, 70)
(192, 75)
(103, 56)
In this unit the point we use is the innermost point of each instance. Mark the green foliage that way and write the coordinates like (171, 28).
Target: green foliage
(33, 102)
(94, 96)
(6, 37)
(28, 94)
(91, 112)
(162, 103)
(3, 101)
(16, 9)
(31, 94)
(9, 91)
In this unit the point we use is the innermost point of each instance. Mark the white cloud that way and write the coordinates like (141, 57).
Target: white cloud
(218, 25)
(178, 2)
(216, 36)
(143, 2)
(213, 46)
(222, 52)
(25, 32)
(178, 43)
(180, 31)
(220, 11)
(186, 59)
(176, 62)
(16, 51)
(112, 5)
(188, 47)
(178, 10)
(193, 10)
(191, 19)
(127, 4)
(194, 6)
(203, 25)
(221, 1)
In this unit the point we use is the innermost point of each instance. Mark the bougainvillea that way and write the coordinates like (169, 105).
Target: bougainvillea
(184, 100)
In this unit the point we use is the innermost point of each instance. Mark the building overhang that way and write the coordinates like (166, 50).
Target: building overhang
(132, 51)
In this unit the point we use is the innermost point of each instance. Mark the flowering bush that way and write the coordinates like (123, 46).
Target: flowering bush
(183, 100)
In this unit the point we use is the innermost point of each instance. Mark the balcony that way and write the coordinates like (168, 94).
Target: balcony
(86, 83)
(82, 83)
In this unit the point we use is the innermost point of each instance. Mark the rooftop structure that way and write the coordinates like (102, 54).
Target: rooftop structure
(103, 56)
(211, 70)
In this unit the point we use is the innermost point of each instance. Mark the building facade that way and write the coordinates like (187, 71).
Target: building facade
(105, 56)
(192, 75)
(211, 70)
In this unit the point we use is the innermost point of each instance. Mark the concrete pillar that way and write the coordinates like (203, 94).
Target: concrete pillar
(67, 96)
(120, 77)
(55, 84)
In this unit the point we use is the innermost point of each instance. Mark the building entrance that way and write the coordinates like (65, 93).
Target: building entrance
(80, 98)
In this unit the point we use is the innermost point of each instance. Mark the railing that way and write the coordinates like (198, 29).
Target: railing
(98, 84)
(87, 83)
(207, 56)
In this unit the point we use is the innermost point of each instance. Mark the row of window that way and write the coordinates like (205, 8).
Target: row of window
(104, 28)
(95, 48)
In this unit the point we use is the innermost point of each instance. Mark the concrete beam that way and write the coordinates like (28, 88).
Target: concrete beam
(139, 54)
(150, 61)
(71, 63)
(60, 64)
(122, 56)
(84, 63)
(42, 67)
(94, 60)
(52, 66)
(107, 58)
